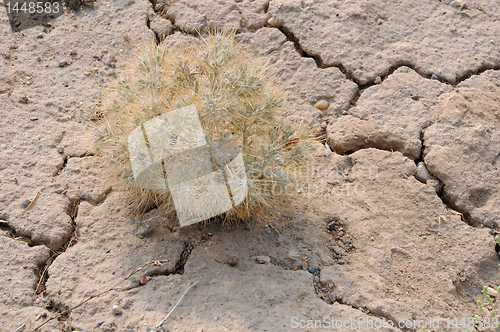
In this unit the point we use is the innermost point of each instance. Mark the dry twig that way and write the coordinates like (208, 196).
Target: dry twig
(157, 327)
(151, 262)
(19, 328)
(32, 202)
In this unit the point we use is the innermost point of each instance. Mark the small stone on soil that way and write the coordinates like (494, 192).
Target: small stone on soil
(322, 104)
(117, 310)
(126, 303)
(332, 297)
(233, 261)
(338, 250)
(110, 60)
(261, 259)
(421, 173)
(63, 63)
(331, 225)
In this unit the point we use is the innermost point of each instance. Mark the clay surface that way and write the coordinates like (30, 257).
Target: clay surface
(364, 240)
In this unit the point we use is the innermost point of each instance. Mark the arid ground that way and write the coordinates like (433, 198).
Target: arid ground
(408, 83)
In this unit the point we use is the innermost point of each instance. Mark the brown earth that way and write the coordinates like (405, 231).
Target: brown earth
(407, 82)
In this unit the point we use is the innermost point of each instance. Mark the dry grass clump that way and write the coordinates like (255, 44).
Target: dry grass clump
(237, 99)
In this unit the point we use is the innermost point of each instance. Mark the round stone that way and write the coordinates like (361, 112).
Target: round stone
(322, 104)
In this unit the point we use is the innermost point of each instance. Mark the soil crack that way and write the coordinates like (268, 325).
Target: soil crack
(72, 212)
(61, 168)
(401, 63)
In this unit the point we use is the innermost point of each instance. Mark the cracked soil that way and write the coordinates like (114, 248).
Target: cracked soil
(407, 82)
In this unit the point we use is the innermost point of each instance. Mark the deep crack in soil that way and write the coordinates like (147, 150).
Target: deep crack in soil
(67, 157)
(362, 87)
(72, 212)
(10, 232)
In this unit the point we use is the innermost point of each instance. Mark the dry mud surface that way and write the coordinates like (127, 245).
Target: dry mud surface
(407, 82)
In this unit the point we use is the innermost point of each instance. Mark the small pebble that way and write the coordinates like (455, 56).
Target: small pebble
(492, 292)
(60, 149)
(74, 52)
(311, 270)
(322, 104)
(421, 174)
(453, 29)
(144, 280)
(33, 118)
(316, 279)
(415, 97)
(378, 80)
(63, 63)
(434, 77)
(457, 4)
(331, 225)
(261, 259)
(43, 314)
(100, 323)
(25, 203)
(233, 261)
(338, 250)
(110, 60)
(117, 310)
(272, 21)
(126, 303)
(332, 297)
(39, 35)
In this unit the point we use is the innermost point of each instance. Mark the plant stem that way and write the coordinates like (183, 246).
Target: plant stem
(102, 293)
(164, 319)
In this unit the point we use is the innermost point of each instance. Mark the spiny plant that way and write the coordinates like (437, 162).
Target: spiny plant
(238, 101)
(488, 320)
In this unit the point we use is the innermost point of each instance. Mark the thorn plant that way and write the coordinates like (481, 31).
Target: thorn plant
(238, 102)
